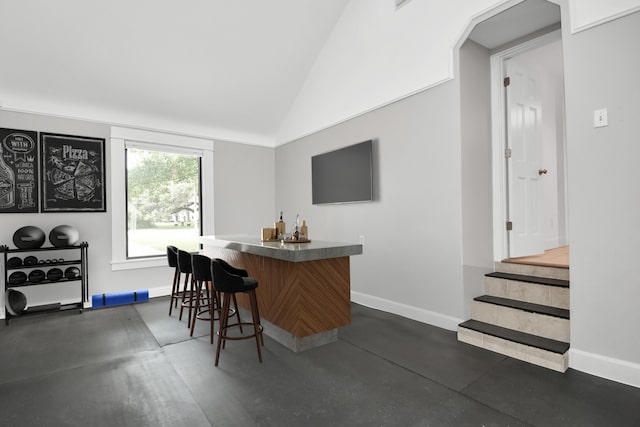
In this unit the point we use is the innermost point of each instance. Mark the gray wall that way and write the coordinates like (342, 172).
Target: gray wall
(413, 247)
(475, 137)
(99, 237)
(243, 202)
(601, 70)
(244, 188)
(422, 237)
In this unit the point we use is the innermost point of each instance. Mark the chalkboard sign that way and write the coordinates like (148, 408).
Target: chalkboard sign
(18, 171)
(73, 173)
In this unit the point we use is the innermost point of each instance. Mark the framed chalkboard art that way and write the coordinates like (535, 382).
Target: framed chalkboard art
(19, 182)
(73, 173)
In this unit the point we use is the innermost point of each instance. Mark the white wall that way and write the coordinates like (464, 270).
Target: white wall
(588, 13)
(375, 55)
(411, 263)
(243, 202)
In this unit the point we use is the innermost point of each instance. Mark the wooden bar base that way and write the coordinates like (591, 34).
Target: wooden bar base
(308, 300)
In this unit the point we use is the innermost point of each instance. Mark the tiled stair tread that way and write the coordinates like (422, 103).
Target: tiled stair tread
(530, 279)
(547, 344)
(525, 306)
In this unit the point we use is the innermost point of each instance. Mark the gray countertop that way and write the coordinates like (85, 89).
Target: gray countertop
(293, 252)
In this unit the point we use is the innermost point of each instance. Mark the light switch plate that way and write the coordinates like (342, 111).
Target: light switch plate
(600, 118)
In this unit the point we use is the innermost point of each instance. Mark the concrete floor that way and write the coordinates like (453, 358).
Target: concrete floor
(136, 366)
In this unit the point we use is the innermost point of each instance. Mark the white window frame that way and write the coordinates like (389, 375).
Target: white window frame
(121, 138)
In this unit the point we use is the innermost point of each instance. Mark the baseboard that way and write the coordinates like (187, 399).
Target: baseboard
(606, 367)
(161, 291)
(421, 315)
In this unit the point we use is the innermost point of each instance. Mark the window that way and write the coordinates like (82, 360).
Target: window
(163, 202)
(161, 194)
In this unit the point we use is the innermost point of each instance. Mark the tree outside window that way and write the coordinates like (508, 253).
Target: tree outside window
(163, 202)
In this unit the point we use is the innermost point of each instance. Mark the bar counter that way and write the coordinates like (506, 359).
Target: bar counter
(304, 291)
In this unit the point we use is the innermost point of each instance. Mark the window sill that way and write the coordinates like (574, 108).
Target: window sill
(131, 264)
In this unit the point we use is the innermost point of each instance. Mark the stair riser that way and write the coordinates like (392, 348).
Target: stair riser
(553, 296)
(533, 355)
(533, 270)
(531, 323)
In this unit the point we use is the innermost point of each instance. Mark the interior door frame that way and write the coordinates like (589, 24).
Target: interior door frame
(500, 180)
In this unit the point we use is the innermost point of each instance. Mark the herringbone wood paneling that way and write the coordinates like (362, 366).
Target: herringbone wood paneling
(303, 298)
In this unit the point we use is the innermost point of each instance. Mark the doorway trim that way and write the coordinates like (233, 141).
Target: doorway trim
(499, 139)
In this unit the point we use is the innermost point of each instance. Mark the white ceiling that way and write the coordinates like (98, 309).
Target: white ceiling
(210, 64)
(515, 22)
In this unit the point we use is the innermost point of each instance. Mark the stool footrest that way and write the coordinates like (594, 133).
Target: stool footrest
(204, 315)
(240, 337)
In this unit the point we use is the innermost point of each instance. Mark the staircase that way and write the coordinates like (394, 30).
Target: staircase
(524, 315)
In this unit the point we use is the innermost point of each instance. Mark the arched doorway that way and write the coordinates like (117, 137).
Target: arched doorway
(528, 214)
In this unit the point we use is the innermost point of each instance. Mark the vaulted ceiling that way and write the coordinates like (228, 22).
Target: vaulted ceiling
(205, 65)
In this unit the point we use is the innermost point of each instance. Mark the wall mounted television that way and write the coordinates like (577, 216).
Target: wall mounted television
(344, 175)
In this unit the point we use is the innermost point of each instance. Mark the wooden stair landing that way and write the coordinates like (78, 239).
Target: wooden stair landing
(557, 257)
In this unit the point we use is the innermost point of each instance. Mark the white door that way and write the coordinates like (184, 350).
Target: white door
(525, 171)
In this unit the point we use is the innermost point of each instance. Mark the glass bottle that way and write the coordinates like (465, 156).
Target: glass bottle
(280, 228)
(295, 234)
(7, 184)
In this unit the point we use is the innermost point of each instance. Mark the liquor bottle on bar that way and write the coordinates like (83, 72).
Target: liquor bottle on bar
(280, 228)
(7, 184)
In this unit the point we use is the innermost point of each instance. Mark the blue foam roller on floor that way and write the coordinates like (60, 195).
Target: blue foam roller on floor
(119, 298)
(96, 301)
(142, 295)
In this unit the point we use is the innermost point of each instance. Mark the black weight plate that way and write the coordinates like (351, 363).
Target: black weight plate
(30, 260)
(16, 302)
(72, 273)
(14, 262)
(36, 276)
(17, 278)
(54, 274)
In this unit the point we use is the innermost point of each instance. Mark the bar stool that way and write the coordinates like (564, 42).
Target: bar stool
(229, 281)
(184, 265)
(210, 299)
(172, 259)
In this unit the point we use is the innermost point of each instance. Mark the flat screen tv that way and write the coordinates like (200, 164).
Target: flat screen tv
(343, 175)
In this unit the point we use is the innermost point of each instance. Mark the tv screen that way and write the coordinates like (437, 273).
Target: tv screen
(343, 175)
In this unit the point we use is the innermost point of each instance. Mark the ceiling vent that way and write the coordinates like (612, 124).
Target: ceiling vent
(400, 3)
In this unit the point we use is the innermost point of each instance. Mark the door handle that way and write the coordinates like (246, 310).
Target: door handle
(542, 171)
